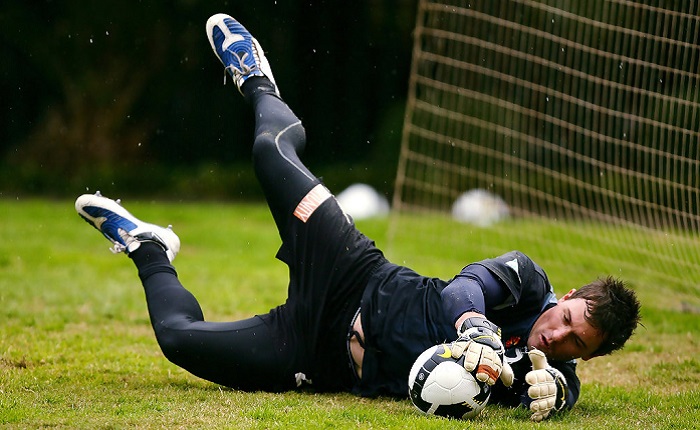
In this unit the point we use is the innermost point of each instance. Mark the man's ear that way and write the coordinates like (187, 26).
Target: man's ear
(567, 296)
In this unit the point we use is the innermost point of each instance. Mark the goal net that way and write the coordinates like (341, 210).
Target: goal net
(583, 116)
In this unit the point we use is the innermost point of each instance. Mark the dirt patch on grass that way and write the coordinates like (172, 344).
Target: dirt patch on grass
(21, 363)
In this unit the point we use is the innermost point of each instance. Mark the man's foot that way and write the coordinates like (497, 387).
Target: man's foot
(125, 231)
(237, 49)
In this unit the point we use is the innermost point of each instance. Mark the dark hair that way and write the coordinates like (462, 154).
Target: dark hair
(613, 309)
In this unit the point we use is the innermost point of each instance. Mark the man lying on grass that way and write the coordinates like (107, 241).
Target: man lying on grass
(354, 321)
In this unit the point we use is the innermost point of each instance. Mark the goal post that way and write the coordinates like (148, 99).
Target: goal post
(585, 115)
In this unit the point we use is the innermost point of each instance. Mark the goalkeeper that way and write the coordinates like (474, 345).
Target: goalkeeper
(354, 321)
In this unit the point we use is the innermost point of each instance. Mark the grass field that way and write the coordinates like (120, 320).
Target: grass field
(77, 351)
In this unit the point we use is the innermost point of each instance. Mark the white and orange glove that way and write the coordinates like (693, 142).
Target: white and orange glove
(480, 343)
(548, 388)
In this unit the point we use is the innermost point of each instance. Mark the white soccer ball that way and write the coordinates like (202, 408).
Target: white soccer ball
(480, 207)
(361, 201)
(440, 385)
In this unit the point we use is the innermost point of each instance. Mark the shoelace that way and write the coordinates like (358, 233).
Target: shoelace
(117, 248)
(128, 239)
(243, 69)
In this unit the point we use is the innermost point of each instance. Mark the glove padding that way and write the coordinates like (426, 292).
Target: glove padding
(480, 344)
(548, 388)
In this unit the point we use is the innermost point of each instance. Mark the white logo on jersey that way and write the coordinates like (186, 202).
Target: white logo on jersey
(518, 354)
(513, 264)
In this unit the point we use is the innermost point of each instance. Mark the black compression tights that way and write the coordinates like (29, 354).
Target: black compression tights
(237, 354)
(240, 354)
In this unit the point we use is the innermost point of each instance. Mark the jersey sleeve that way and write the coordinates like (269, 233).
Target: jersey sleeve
(474, 289)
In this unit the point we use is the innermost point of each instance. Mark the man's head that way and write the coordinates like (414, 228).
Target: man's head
(594, 320)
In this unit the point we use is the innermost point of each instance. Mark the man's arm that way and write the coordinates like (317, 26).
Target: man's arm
(465, 301)
(473, 290)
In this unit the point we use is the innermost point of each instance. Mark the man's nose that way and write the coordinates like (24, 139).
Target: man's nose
(560, 334)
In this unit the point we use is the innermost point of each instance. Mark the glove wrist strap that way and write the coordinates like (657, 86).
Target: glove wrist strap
(562, 388)
(476, 322)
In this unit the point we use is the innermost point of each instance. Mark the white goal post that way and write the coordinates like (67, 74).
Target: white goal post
(579, 113)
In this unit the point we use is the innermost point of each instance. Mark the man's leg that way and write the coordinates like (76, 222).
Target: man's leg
(329, 260)
(279, 135)
(239, 354)
(251, 354)
(279, 140)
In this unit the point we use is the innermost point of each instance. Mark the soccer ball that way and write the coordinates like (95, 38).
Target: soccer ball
(440, 385)
(361, 201)
(480, 207)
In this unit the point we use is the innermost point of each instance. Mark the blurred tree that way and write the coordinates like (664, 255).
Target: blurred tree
(88, 79)
(91, 87)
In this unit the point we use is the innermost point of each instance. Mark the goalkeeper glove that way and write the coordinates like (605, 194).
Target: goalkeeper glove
(548, 389)
(479, 342)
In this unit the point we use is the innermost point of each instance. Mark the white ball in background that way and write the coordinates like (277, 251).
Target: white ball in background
(480, 207)
(361, 201)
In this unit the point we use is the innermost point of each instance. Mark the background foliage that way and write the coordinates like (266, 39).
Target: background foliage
(128, 94)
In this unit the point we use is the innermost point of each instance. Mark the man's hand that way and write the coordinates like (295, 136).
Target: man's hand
(480, 343)
(548, 389)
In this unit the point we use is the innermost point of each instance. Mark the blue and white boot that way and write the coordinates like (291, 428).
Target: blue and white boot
(237, 49)
(125, 231)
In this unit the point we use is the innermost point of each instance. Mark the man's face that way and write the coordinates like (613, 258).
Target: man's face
(563, 333)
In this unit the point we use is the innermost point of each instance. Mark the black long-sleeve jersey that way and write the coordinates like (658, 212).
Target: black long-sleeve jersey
(404, 313)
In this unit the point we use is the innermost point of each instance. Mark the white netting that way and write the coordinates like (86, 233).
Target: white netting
(583, 113)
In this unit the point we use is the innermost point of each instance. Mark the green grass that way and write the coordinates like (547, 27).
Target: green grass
(77, 351)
